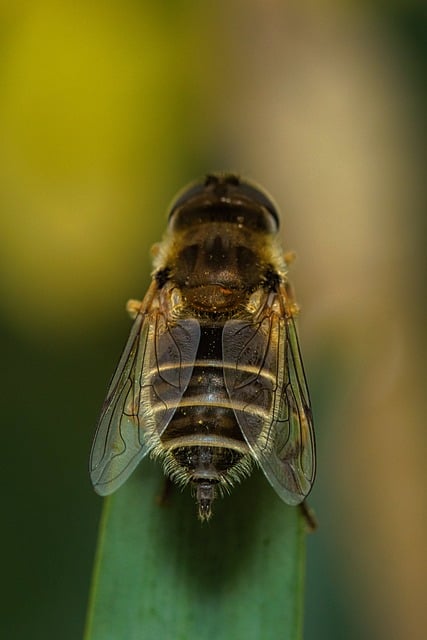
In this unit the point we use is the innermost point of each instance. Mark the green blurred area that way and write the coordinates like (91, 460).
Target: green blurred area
(106, 110)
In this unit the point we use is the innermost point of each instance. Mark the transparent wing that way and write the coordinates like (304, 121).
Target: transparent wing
(150, 379)
(265, 380)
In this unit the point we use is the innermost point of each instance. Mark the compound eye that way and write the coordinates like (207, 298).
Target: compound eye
(226, 191)
(252, 192)
(186, 194)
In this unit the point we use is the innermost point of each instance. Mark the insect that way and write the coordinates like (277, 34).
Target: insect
(211, 380)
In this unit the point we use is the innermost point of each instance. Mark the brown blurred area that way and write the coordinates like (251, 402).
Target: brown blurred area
(106, 110)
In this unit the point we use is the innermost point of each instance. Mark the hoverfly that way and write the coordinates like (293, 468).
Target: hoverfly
(211, 379)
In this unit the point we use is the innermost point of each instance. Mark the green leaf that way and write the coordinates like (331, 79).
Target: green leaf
(160, 573)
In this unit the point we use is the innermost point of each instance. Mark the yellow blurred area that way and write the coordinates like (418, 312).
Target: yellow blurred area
(93, 112)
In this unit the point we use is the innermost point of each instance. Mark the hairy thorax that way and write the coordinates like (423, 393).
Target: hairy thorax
(217, 268)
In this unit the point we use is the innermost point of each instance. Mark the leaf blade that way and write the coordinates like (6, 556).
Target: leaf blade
(160, 573)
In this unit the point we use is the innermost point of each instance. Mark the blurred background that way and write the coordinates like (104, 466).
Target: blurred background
(106, 110)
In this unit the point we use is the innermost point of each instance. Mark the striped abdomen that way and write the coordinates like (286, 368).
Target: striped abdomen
(203, 435)
(203, 443)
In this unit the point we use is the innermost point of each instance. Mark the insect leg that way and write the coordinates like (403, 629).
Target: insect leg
(289, 257)
(133, 307)
(309, 516)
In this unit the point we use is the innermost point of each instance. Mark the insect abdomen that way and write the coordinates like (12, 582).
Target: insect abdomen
(203, 442)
